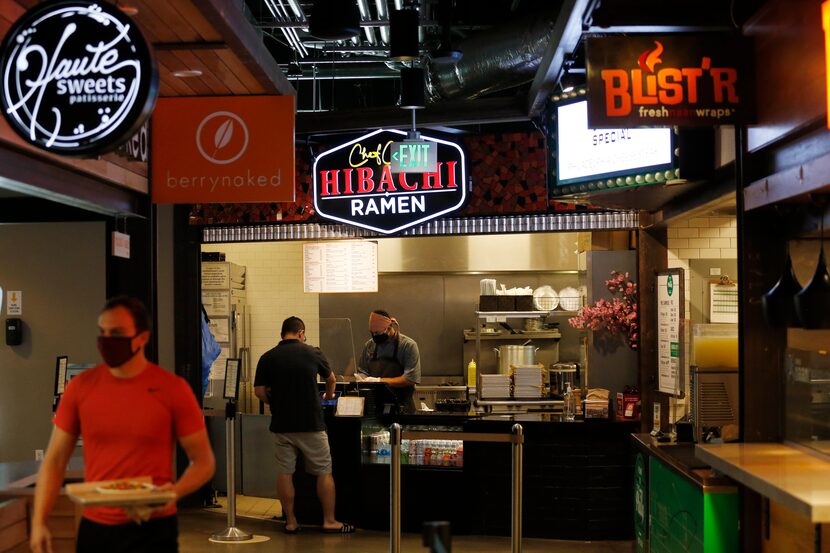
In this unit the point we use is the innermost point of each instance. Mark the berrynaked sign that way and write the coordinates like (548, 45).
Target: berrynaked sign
(354, 183)
(77, 77)
(223, 149)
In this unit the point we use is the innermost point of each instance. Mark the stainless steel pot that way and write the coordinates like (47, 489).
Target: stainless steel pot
(515, 355)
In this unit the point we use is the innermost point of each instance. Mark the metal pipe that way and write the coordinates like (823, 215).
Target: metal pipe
(367, 23)
(501, 58)
(383, 15)
(231, 533)
(288, 32)
(230, 459)
(516, 531)
(363, 6)
(348, 72)
(395, 490)
(298, 10)
(298, 44)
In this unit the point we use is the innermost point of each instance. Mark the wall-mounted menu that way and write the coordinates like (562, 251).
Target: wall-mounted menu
(332, 267)
(670, 303)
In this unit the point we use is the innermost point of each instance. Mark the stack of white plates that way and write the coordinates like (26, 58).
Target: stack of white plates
(495, 386)
(545, 298)
(528, 381)
(569, 299)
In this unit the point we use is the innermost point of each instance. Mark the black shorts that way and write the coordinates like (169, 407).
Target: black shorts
(158, 535)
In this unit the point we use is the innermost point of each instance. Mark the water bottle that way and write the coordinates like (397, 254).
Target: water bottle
(570, 404)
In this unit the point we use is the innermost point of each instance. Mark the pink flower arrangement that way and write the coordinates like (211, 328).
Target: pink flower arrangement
(618, 316)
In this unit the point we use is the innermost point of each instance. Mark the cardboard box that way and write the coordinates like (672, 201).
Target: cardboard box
(524, 303)
(506, 303)
(488, 303)
(628, 406)
(596, 409)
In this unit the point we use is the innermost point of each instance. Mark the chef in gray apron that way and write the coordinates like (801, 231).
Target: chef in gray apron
(391, 357)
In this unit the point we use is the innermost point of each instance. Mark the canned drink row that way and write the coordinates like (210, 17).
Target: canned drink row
(528, 223)
(447, 226)
(254, 233)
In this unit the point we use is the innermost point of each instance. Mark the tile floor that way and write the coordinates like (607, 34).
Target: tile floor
(196, 525)
(251, 507)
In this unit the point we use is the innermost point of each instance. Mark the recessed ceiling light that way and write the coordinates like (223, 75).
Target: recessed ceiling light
(185, 73)
(128, 10)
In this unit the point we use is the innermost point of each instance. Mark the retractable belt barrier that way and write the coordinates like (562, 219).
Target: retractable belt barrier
(516, 437)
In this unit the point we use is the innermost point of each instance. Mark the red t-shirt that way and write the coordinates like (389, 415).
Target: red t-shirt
(129, 426)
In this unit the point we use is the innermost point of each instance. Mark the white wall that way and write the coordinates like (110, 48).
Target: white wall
(701, 238)
(60, 268)
(274, 287)
(698, 238)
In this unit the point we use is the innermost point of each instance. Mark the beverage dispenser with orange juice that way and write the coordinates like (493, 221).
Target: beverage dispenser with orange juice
(715, 345)
(714, 381)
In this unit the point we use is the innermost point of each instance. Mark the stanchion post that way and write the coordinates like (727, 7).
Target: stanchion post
(516, 531)
(231, 533)
(395, 490)
(437, 536)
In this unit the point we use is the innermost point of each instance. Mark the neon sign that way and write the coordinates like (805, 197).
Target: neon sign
(358, 183)
(77, 77)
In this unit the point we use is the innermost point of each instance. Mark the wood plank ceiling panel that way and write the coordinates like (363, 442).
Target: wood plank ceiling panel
(215, 63)
(172, 22)
(242, 72)
(164, 27)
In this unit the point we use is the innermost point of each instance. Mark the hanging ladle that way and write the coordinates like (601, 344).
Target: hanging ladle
(812, 303)
(779, 302)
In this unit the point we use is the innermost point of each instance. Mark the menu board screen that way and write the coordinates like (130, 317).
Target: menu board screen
(338, 267)
(586, 154)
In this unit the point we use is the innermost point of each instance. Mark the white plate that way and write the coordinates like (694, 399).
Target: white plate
(545, 298)
(569, 299)
(144, 487)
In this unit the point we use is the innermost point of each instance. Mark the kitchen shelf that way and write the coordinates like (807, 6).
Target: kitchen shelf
(541, 401)
(512, 314)
(521, 335)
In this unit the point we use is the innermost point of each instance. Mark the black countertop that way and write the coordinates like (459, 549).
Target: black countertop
(680, 457)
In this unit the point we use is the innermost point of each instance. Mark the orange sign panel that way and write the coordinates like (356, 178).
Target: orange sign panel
(223, 149)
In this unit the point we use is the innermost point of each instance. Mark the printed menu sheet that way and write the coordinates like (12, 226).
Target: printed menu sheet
(723, 303)
(670, 301)
(336, 267)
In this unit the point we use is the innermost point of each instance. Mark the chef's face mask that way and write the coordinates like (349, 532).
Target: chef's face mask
(116, 350)
(381, 338)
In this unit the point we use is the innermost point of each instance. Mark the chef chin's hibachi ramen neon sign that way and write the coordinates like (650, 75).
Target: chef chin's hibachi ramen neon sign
(357, 182)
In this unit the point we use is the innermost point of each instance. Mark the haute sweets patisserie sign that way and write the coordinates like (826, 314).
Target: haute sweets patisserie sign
(77, 77)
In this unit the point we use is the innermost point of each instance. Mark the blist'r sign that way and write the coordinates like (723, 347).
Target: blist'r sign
(360, 183)
(664, 80)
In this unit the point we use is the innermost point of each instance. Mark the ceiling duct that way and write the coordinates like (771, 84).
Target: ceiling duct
(496, 60)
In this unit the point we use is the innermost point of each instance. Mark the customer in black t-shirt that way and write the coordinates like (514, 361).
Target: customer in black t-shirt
(286, 379)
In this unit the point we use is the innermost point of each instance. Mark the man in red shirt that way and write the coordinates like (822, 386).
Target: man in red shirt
(130, 413)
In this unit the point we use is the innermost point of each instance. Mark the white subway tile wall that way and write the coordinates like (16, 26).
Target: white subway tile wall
(274, 285)
(701, 238)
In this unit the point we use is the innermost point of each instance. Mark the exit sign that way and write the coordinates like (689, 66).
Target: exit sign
(413, 156)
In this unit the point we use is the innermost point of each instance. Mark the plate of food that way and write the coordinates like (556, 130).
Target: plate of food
(125, 487)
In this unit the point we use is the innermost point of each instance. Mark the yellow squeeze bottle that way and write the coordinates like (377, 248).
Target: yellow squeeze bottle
(471, 373)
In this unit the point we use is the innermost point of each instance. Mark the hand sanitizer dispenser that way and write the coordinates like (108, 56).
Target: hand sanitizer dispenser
(14, 332)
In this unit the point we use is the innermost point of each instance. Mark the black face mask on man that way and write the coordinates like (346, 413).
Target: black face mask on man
(380, 338)
(116, 350)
